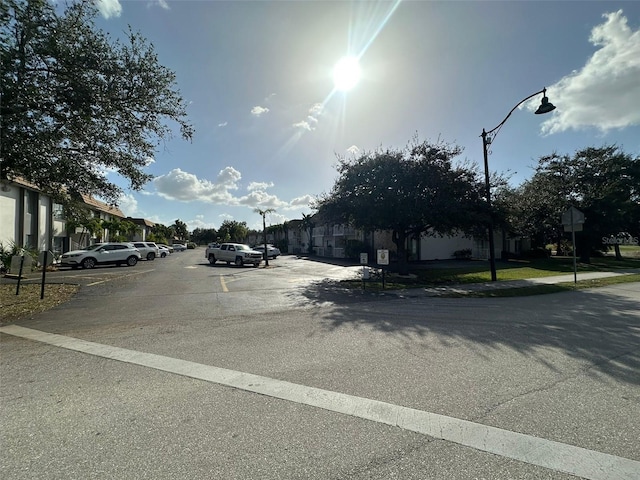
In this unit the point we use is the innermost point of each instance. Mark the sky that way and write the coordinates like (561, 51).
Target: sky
(259, 81)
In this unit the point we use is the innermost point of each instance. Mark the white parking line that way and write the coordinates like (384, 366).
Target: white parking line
(526, 448)
(119, 276)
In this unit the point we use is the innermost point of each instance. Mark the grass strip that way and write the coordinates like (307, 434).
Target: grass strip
(545, 289)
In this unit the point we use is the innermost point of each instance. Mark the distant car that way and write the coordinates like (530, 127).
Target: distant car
(101, 254)
(164, 251)
(272, 252)
(179, 247)
(168, 247)
(148, 250)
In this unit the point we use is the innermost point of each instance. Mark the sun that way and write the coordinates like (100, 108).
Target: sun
(346, 73)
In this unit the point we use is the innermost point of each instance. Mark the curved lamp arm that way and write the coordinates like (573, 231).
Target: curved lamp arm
(543, 91)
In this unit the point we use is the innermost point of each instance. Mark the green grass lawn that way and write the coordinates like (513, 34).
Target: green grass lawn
(478, 272)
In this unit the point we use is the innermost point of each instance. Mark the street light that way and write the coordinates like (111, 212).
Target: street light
(545, 107)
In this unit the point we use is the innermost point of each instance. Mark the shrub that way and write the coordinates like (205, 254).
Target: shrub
(354, 248)
(464, 254)
(537, 253)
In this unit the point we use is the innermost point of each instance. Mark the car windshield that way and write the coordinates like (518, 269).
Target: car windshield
(92, 247)
(242, 247)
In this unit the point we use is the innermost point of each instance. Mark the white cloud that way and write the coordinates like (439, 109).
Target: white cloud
(302, 125)
(303, 201)
(257, 111)
(353, 150)
(128, 204)
(605, 93)
(261, 199)
(311, 121)
(223, 124)
(179, 185)
(161, 3)
(187, 187)
(109, 8)
(259, 186)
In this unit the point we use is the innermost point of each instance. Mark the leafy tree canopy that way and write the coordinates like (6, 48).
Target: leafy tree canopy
(604, 183)
(414, 191)
(75, 103)
(233, 231)
(180, 230)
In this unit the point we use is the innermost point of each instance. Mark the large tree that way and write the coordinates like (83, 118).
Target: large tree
(233, 231)
(411, 192)
(604, 183)
(180, 229)
(76, 103)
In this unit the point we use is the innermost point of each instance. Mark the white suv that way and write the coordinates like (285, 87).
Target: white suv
(101, 253)
(148, 250)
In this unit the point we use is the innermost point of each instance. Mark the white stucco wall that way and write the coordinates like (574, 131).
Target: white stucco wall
(8, 218)
(442, 248)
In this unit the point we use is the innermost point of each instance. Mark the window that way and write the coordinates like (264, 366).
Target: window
(58, 212)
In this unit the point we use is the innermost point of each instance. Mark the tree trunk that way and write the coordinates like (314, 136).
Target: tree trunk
(616, 247)
(400, 239)
(560, 236)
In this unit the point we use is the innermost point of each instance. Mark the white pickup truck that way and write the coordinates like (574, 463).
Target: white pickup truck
(236, 253)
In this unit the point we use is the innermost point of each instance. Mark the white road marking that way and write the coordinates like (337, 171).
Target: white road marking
(118, 277)
(525, 448)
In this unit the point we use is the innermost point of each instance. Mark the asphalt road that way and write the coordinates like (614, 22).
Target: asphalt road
(178, 369)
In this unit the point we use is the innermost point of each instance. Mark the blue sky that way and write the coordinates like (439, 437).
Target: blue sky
(258, 79)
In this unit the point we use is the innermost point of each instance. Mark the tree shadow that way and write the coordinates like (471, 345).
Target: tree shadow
(601, 329)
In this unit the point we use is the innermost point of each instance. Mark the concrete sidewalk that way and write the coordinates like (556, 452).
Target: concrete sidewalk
(500, 285)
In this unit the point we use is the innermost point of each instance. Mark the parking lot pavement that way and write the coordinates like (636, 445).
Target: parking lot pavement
(77, 277)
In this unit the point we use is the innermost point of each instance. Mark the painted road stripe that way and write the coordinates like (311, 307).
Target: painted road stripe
(224, 284)
(525, 448)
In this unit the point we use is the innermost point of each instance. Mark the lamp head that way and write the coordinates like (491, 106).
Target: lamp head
(546, 106)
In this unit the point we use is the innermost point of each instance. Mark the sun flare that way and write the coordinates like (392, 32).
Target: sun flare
(346, 73)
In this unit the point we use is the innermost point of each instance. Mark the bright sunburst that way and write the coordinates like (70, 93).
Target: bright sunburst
(346, 73)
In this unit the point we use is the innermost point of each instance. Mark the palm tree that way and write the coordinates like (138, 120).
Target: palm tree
(264, 231)
(307, 225)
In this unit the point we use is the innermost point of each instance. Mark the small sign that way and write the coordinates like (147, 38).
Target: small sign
(364, 259)
(383, 257)
(576, 227)
(572, 216)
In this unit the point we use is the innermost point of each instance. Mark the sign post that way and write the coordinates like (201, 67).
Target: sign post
(382, 259)
(573, 220)
(364, 261)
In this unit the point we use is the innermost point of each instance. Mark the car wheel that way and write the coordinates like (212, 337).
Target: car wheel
(132, 261)
(212, 259)
(151, 256)
(163, 254)
(88, 263)
(256, 265)
(239, 262)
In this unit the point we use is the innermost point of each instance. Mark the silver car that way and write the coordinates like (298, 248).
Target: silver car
(101, 254)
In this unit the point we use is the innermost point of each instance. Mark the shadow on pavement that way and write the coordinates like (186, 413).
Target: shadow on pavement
(601, 329)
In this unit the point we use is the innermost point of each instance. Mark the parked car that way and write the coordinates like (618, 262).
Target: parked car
(148, 250)
(101, 254)
(272, 252)
(236, 253)
(179, 247)
(164, 251)
(168, 247)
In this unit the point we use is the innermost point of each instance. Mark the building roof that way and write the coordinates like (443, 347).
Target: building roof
(102, 207)
(142, 221)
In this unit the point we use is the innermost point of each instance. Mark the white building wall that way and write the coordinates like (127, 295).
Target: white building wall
(442, 248)
(8, 214)
(43, 224)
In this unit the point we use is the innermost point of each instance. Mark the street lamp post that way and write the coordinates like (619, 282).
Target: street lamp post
(487, 138)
